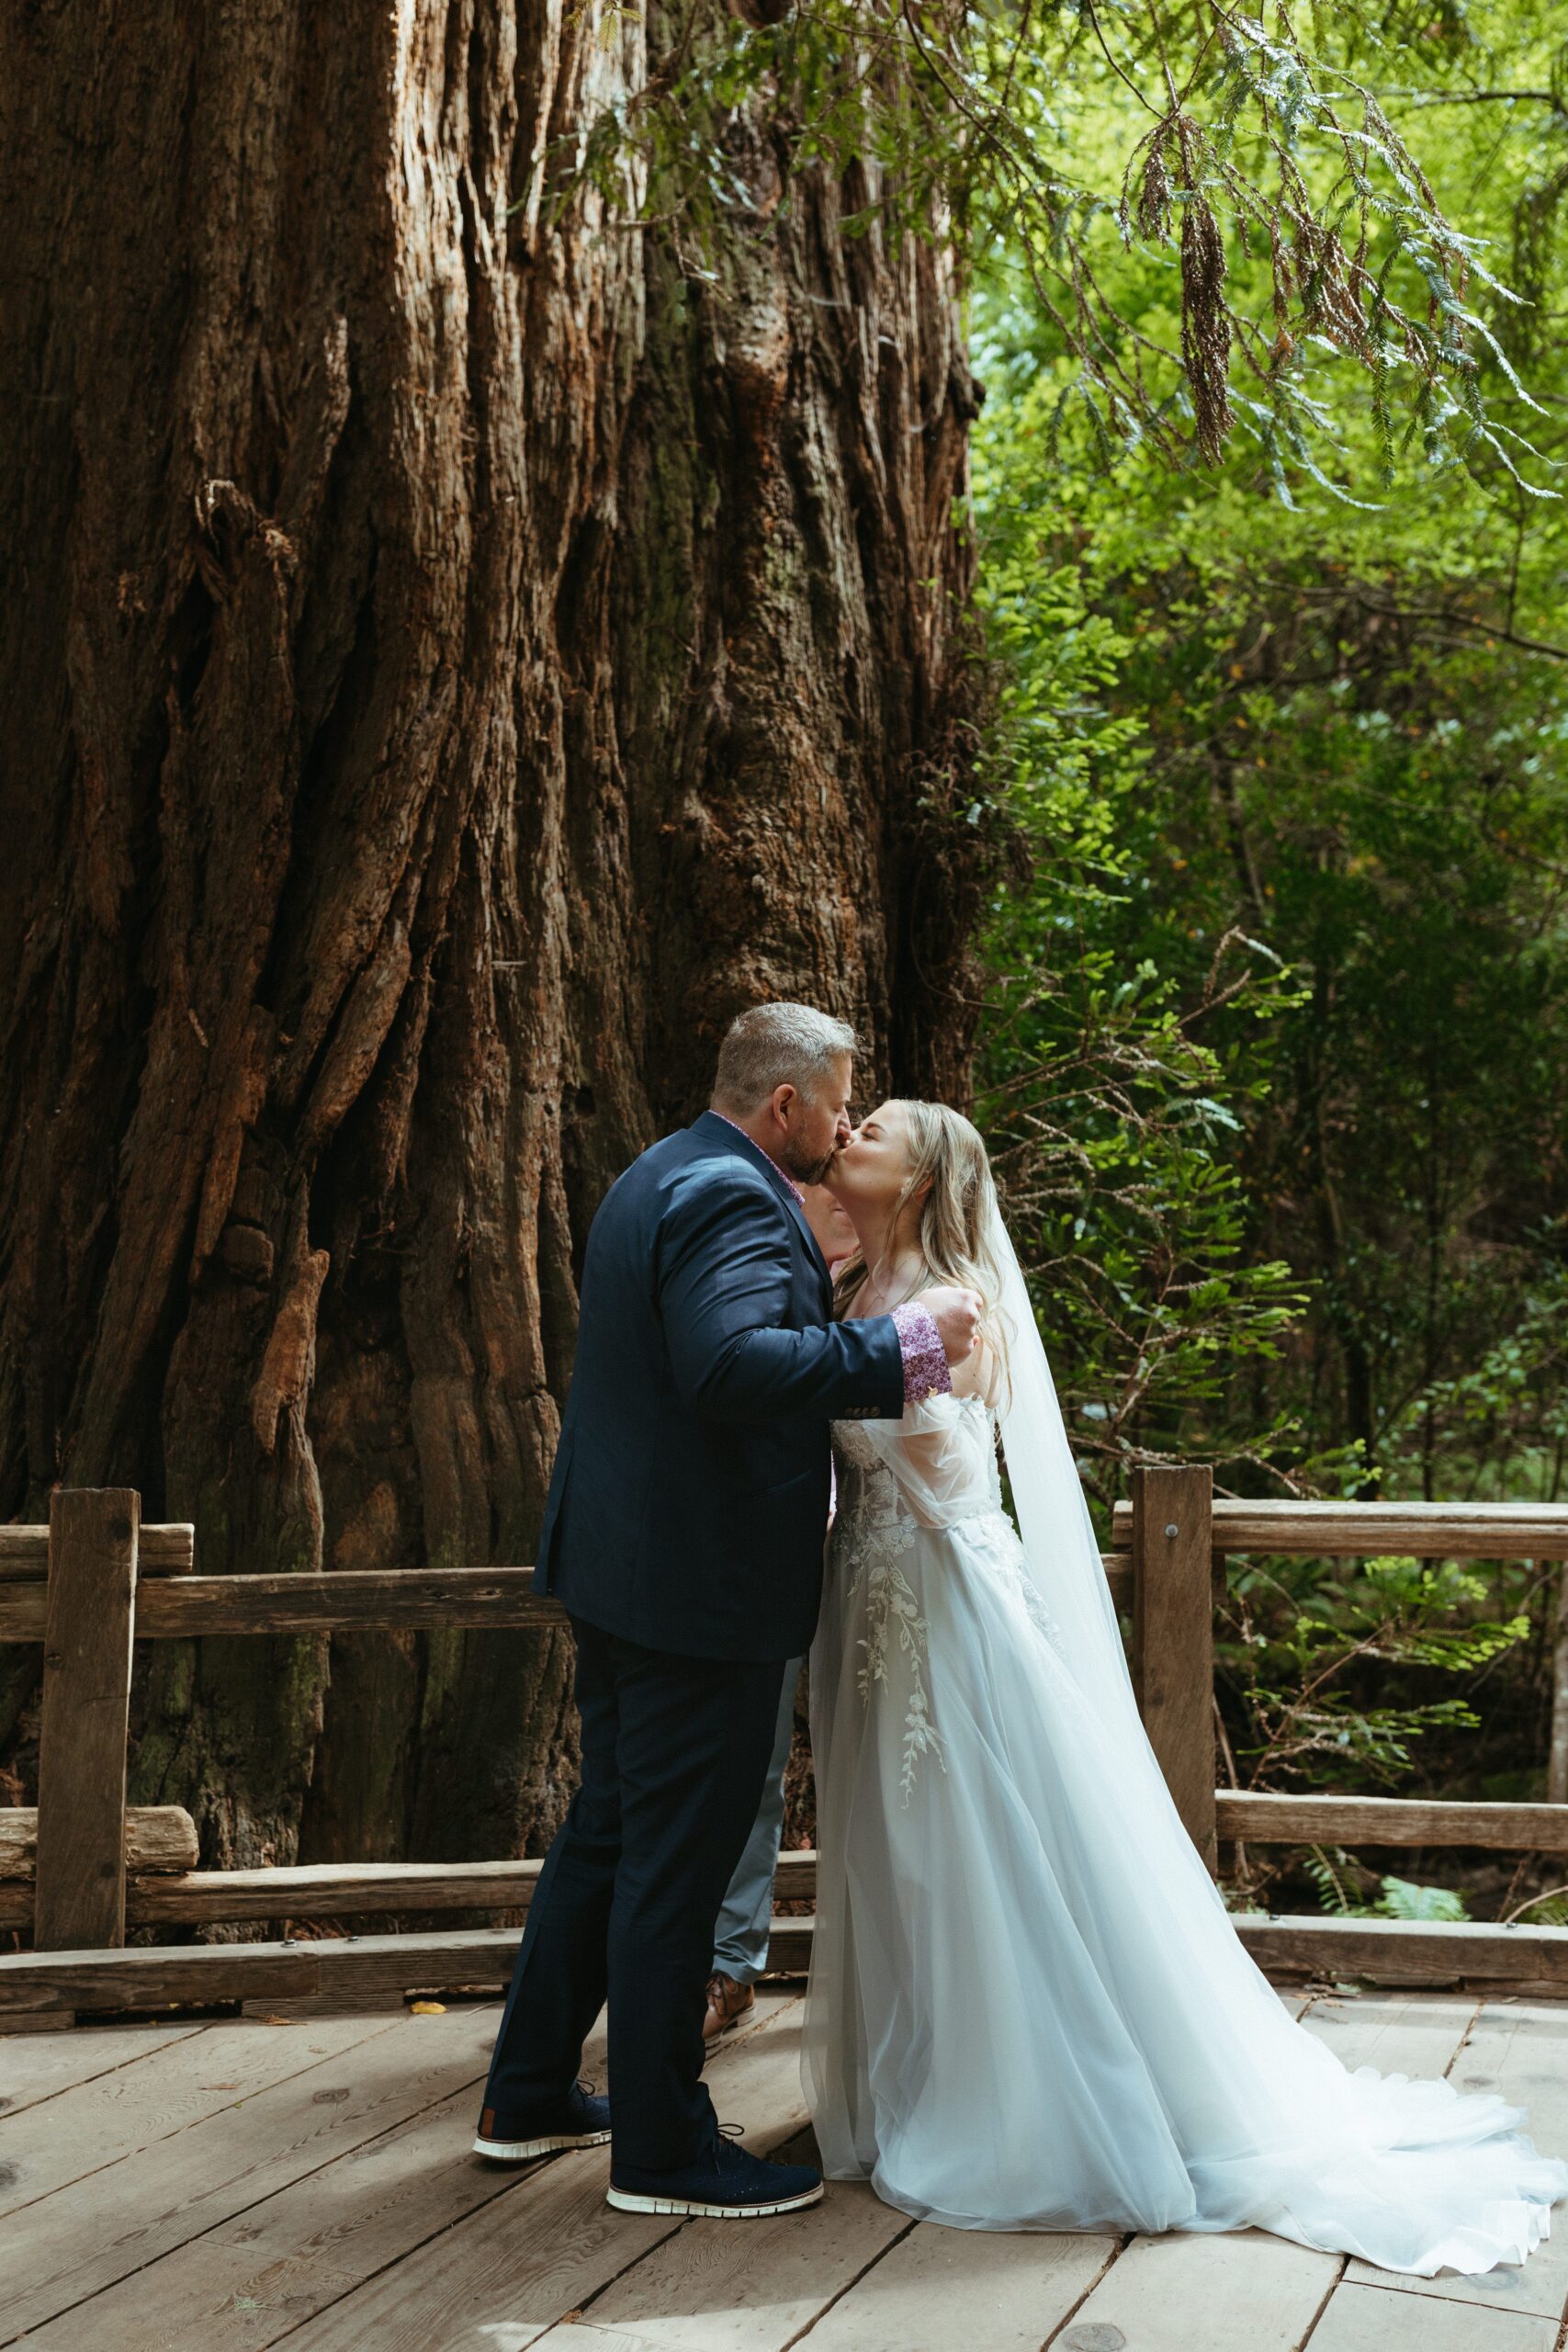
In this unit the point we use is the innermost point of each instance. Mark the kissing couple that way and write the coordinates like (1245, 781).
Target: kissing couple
(1028, 2009)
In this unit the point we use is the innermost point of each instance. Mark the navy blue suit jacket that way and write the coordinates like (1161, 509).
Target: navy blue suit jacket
(689, 1500)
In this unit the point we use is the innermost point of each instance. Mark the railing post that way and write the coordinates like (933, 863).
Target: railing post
(1173, 1650)
(94, 1533)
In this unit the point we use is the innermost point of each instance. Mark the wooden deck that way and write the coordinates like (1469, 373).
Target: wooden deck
(306, 2181)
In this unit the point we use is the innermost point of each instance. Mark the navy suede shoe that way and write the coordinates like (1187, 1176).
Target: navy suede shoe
(725, 2183)
(581, 2121)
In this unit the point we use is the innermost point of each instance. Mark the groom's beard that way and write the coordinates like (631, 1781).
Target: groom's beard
(803, 1170)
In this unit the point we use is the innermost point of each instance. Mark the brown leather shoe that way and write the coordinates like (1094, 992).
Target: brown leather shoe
(728, 2004)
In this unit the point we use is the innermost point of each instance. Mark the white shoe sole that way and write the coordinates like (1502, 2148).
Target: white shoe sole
(624, 2200)
(518, 2152)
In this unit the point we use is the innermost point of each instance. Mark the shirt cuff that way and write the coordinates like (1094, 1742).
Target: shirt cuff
(925, 1360)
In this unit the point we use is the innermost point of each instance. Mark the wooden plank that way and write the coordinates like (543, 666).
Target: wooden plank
(1243, 2291)
(1417, 2034)
(360, 1598)
(1264, 1819)
(795, 1876)
(91, 1599)
(410, 2188)
(24, 1611)
(1173, 1637)
(581, 2336)
(1358, 1530)
(146, 1977)
(789, 1945)
(1405, 1951)
(39, 2067)
(501, 2278)
(1391, 1951)
(1520, 2052)
(116, 2235)
(1371, 2319)
(328, 1890)
(963, 2291)
(751, 2289)
(163, 1839)
(325, 1890)
(1382, 1951)
(157, 1837)
(128, 2113)
(164, 1548)
(363, 1599)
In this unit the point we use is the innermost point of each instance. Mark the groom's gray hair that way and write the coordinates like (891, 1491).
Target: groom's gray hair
(777, 1045)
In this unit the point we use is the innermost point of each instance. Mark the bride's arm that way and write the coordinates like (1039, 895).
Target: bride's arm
(980, 1374)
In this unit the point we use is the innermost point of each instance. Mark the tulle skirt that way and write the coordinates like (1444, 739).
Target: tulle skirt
(1029, 2008)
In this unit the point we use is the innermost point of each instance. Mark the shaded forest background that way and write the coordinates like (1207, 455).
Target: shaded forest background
(502, 591)
(1276, 1056)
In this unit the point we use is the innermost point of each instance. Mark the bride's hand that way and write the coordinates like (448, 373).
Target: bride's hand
(956, 1314)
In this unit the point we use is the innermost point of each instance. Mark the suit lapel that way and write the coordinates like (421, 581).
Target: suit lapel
(715, 1130)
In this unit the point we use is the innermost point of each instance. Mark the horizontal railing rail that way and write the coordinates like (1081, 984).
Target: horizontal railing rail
(344, 1600)
(1373, 1531)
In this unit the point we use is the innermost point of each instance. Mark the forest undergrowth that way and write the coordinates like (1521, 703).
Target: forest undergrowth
(1274, 1067)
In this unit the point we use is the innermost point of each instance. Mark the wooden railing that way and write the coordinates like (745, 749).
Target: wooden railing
(84, 1868)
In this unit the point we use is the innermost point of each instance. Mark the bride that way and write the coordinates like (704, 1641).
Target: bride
(1028, 2008)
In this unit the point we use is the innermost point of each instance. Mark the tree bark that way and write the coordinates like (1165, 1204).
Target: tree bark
(459, 653)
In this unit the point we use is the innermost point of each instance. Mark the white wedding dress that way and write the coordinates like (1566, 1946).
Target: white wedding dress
(1029, 2008)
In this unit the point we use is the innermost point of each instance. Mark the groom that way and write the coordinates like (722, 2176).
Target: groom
(684, 1535)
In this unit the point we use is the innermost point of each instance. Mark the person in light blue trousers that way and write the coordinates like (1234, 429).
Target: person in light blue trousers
(741, 1935)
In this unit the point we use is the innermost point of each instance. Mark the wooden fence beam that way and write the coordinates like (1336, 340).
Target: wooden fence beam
(164, 1887)
(1118, 1566)
(1410, 1952)
(1363, 1530)
(158, 1838)
(91, 1599)
(36, 1985)
(162, 1549)
(1174, 1636)
(1263, 1819)
(332, 1890)
(1531, 1962)
(354, 1600)
(151, 1976)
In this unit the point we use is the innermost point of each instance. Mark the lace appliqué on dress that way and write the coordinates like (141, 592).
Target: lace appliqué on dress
(892, 1614)
(890, 1604)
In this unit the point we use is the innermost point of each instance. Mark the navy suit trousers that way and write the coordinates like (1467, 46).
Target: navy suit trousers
(675, 1752)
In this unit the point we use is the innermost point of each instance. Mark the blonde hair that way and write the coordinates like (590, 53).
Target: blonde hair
(958, 1215)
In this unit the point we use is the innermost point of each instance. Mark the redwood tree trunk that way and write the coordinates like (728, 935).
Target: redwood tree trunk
(457, 654)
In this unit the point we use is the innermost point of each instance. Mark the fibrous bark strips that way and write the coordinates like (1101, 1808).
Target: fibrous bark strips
(458, 652)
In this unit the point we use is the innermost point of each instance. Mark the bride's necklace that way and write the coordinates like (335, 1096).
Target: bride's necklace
(885, 1306)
